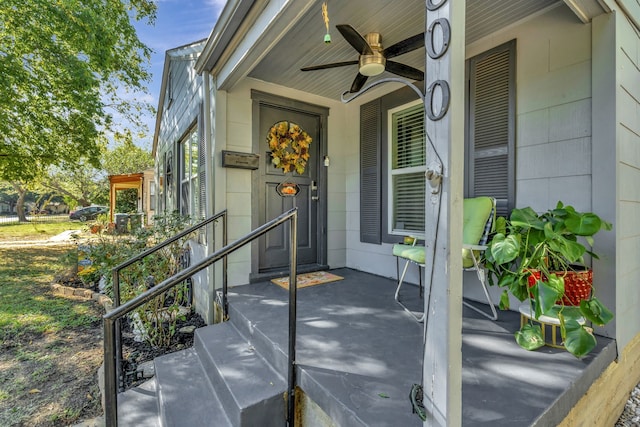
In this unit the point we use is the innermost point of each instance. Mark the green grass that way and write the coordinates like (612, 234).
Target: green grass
(50, 346)
(26, 303)
(35, 230)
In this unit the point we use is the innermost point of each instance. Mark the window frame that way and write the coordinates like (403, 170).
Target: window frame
(186, 176)
(391, 230)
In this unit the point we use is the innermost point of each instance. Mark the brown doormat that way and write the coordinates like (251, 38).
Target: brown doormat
(308, 279)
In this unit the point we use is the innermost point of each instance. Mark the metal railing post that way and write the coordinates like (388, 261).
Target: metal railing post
(117, 331)
(110, 379)
(225, 303)
(293, 298)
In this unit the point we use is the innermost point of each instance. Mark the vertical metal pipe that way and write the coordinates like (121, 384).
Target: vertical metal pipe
(293, 288)
(110, 380)
(225, 303)
(118, 340)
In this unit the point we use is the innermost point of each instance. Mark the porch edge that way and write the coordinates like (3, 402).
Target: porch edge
(604, 401)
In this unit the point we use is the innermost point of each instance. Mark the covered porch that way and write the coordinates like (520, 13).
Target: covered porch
(358, 354)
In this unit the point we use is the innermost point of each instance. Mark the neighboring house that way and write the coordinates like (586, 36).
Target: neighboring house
(544, 106)
(144, 183)
(5, 208)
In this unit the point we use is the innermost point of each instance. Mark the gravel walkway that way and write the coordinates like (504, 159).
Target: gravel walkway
(631, 414)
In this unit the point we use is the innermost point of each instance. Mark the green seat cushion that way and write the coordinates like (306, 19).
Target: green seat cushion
(413, 253)
(476, 212)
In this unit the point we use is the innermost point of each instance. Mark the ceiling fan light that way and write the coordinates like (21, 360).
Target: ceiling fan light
(371, 65)
(372, 69)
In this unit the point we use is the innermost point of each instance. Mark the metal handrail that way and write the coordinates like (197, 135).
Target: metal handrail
(112, 317)
(115, 272)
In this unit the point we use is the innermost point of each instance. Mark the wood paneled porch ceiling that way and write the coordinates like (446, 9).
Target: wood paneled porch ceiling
(303, 44)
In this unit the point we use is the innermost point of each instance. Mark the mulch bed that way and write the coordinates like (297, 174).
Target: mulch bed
(136, 353)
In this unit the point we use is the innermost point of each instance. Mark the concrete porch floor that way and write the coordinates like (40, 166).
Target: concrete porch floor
(359, 353)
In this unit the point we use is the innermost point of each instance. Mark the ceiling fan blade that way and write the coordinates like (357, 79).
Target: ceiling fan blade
(332, 65)
(355, 39)
(358, 82)
(404, 70)
(404, 46)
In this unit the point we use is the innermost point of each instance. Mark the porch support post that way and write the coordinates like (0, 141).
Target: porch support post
(444, 110)
(210, 192)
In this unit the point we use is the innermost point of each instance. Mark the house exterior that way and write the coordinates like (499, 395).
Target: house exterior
(144, 183)
(540, 103)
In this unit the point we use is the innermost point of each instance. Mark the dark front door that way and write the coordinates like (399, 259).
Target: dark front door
(274, 247)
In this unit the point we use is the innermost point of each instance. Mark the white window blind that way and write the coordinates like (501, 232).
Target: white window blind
(407, 169)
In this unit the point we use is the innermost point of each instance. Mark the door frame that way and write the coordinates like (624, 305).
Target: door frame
(259, 99)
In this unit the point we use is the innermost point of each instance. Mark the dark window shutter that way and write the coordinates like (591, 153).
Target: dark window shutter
(491, 148)
(370, 177)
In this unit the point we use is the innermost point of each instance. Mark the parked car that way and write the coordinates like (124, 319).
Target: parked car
(90, 212)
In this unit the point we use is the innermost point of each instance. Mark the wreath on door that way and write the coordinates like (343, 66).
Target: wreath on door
(289, 146)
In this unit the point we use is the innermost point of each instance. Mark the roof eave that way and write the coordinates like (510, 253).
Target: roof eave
(230, 20)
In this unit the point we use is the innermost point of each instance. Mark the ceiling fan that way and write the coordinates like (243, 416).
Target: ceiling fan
(373, 58)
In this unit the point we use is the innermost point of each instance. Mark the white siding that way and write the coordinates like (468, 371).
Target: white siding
(628, 138)
(177, 118)
(181, 113)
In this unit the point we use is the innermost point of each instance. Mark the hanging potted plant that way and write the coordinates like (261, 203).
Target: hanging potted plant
(539, 259)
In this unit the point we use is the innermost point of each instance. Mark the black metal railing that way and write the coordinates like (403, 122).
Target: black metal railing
(111, 318)
(115, 273)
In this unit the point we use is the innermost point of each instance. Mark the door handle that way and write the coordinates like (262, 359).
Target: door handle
(314, 187)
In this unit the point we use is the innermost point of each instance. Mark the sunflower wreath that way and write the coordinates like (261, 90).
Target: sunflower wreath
(289, 146)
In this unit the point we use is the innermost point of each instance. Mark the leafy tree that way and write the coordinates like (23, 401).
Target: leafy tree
(21, 189)
(84, 184)
(64, 65)
(81, 183)
(126, 157)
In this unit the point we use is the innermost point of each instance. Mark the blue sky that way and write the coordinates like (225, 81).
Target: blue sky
(178, 22)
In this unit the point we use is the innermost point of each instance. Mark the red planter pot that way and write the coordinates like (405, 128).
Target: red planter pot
(577, 285)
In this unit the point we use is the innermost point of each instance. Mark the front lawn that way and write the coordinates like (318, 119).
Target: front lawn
(50, 346)
(36, 230)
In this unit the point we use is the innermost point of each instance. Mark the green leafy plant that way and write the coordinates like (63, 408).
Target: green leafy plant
(157, 319)
(531, 256)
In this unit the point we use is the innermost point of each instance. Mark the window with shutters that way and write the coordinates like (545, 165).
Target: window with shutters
(491, 127)
(392, 187)
(189, 186)
(406, 166)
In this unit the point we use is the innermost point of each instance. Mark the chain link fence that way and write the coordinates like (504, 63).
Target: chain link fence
(40, 218)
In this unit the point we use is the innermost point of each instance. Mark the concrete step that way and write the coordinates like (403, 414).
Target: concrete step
(185, 395)
(138, 406)
(262, 336)
(250, 390)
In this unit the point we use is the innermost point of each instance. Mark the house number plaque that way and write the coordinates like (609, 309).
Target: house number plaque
(234, 159)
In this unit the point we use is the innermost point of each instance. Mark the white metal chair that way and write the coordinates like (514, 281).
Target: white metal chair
(478, 222)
